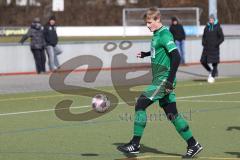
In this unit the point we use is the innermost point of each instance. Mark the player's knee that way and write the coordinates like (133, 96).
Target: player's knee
(171, 116)
(142, 103)
(170, 110)
(139, 107)
(163, 102)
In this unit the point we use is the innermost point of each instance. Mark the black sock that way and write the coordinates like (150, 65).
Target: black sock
(191, 141)
(136, 140)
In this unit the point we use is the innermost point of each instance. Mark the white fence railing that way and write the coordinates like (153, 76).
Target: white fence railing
(229, 30)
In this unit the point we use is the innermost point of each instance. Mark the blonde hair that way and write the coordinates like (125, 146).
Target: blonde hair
(152, 13)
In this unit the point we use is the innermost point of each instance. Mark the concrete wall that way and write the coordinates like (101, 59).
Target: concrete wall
(18, 59)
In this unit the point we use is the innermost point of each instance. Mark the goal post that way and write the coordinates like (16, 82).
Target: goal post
(189, 17)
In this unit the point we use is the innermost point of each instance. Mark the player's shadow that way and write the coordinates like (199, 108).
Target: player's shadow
(51, 153)
(234, 153)
(89, 154)
(233, 128)
(146, 149)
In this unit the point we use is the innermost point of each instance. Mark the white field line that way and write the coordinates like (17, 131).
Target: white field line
(180, 98)
(207, 101)
(178, 157)
(209, 95)
(47, 110)
(38, 111)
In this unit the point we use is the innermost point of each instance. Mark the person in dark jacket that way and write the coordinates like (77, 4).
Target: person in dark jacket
(211, 40)
(179, 37)
(51, 39)
(37, 44)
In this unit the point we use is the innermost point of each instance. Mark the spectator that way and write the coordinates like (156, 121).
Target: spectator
(179, 37)
(37, 44)
(211, 40)
(51, 39)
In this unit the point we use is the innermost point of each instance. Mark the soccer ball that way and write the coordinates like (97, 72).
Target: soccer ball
(100, 103)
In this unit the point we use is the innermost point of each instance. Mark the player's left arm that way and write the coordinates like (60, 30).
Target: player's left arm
(174, 63)
(143, 54)
(175, 58)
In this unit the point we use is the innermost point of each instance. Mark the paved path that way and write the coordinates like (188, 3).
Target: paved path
(32, 83)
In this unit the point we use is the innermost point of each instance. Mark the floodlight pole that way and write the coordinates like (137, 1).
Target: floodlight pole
(198, 21)
(212, 6)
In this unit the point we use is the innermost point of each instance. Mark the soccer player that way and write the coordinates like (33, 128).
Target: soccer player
(165, 60)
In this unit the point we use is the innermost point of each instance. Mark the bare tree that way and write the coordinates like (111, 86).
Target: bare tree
(3, 2)
(106, 12)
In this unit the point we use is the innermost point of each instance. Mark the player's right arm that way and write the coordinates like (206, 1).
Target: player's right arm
(143, 54)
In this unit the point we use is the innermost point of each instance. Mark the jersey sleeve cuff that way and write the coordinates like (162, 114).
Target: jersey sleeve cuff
(172, 49)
